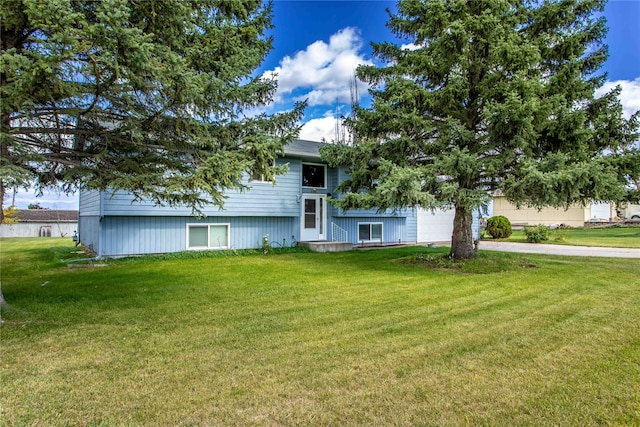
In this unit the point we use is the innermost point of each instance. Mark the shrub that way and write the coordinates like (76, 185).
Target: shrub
(537, 233)
(266, 245)
(499, 227)
(560, 234)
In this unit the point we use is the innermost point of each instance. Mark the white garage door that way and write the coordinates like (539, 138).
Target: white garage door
(601, 211)
(435, 226)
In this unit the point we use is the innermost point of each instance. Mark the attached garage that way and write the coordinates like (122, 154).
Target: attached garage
(435, 226)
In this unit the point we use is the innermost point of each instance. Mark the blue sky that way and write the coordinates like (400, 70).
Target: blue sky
(319, 44)
(338, 35)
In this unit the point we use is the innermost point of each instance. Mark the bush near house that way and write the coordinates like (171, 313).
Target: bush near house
(499, 227)
(537, 233)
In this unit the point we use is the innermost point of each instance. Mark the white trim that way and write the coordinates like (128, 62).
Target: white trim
(260, 181)
(370, 223)
(208, 226)
(314, 164)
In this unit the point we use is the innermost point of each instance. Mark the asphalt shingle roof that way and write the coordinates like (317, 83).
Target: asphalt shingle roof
(46, 215)
(304, 148)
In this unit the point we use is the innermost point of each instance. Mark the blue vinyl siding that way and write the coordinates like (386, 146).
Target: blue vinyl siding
(89, 219)
(148, 235)
(261, 199)
(411, 225)
(475, 224)
(394, 229)
(89, 202)
(89, 231)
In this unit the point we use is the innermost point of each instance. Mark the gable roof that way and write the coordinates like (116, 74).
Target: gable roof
(46, 215)
(304, 148)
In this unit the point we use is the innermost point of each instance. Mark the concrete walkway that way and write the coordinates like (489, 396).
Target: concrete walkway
(541, 248)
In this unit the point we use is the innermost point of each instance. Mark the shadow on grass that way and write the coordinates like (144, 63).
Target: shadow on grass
(383, 259)
(483, 263)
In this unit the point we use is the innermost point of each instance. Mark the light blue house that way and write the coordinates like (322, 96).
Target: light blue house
(293, 210)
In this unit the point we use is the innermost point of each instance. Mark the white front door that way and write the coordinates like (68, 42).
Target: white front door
(313, 217)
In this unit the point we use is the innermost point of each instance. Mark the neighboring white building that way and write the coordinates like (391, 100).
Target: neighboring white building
(42, 223)
(575, 216)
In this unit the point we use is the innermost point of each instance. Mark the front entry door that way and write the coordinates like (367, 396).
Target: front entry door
(313, 217)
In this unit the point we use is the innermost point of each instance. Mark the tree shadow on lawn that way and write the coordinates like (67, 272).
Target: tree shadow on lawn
(483, 263)
(436, 259)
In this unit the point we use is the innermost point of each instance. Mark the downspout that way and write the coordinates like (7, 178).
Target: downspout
(101, 234)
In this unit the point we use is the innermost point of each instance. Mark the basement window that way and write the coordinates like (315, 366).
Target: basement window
(370, 232)
(207, 236)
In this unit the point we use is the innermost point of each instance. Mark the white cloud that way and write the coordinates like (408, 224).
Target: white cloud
(319, 129)
(629, 97)
(323, 71)
(410, 46)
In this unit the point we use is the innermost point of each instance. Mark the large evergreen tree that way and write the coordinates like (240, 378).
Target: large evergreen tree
(145, 96)
(489, 95)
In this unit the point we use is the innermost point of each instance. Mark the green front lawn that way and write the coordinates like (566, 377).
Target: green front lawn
(355, 338)
(615, 237)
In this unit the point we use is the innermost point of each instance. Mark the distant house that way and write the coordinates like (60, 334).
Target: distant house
(42, 223)
(575, 216)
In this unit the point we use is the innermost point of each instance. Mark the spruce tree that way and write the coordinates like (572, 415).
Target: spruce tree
(489, 95)
(144, 96)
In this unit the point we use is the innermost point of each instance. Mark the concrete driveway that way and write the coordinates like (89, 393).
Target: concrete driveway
(541, 248)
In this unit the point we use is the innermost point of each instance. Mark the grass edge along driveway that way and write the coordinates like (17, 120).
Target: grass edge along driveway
(354, 338)
(613, 237)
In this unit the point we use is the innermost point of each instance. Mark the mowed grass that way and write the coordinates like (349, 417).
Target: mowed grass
(614, 237)
(354, 338)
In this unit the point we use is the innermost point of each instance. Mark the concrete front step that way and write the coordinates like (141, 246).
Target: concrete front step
(324, 246)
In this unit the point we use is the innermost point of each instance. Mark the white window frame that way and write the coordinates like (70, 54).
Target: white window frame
(209, 225)
(324, 187)
(261, 180)
(45, 231)
(258, 181)
(381, 224)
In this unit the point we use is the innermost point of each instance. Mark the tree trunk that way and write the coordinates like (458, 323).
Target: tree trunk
(462, 238)
(1, 201)
(3, 303)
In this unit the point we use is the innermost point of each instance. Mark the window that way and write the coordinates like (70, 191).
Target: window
(259, 178)
(313, 176)
(45, 231)
(207, 236)
(370, 232)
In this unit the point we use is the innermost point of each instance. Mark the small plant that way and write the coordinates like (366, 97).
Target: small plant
(499, 227)
(560, 234)
(537, 233)
(266, 245)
